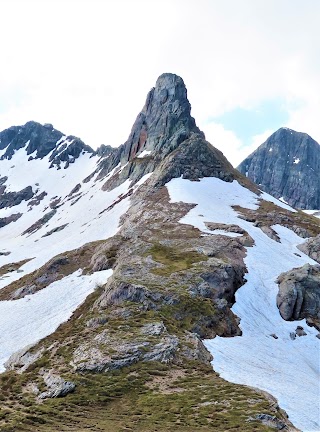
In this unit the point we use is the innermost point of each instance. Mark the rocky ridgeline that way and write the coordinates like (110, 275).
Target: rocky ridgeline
(287, 166)
(171, 287)
(164, 125)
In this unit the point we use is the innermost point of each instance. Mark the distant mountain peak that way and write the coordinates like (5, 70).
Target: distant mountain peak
(39, 141)
(286, 165)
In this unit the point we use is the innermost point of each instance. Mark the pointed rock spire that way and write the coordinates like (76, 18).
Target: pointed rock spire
(166, 139)
(165, 120)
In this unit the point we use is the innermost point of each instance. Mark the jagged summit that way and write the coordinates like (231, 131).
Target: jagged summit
(165, 120)
(41, 140)
(287, 166)
(34, 136)
(164, 125)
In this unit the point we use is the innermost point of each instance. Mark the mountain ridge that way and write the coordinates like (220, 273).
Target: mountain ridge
(122, 273)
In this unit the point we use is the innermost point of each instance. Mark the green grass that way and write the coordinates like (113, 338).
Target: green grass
(173, 259)
(121, 401)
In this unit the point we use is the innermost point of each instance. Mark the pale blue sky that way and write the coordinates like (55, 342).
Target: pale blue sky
(246, 123)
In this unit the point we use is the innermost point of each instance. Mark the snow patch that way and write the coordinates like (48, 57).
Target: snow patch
(27, 320)
(283, 200)
(278, 202)
(144, 153)
(288, 369)
(226, 233)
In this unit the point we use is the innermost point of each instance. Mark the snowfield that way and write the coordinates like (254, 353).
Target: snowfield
(25, 321)
(86, 216)
(288, 369)
(89, 214)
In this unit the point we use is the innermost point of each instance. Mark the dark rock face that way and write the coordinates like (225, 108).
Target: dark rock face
(33, 136)
(164, 125)
(69, 151)
(105, 150)
(299, 293)
(165, 120)
(39, 223)
(287, 165)
(41, 140)
(11, 199)
(8, 219)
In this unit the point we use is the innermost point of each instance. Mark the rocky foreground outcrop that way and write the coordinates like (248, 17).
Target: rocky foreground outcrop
(287, 166)
(299, 293)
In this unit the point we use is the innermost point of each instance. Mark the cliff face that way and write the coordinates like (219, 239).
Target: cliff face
(287, 166)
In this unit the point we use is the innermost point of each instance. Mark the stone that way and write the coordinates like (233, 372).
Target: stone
(299, 293)
(164, 351)
(300, 331)
(311, 247)
(153, 329)
(57, 386)
(269, 420)
(97, 321)
(133, 293)
(22, 359)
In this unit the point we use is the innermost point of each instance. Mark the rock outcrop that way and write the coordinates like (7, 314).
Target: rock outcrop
(287, 167)
(299, 293)
(33, 136)
(8, 219)
(311, 247)
(57, 386)
(11, 199)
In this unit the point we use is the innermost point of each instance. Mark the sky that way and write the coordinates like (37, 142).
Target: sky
(250, 66)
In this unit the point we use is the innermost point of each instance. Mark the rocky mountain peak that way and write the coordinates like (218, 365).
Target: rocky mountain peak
(33, 136)
(165, 120)
(41, 140)
(163, 126)
(286, 165)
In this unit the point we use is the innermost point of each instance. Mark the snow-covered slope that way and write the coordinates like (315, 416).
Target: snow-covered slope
(286, 368)
(25, 321)
(88, 214)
